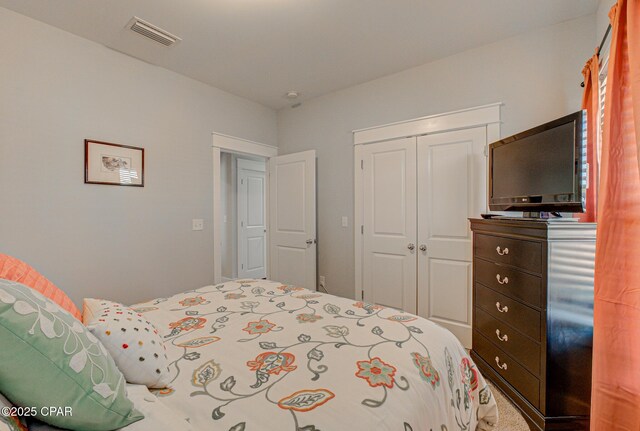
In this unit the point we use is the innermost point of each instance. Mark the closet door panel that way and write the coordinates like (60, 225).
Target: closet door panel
(451, 175)
(389, 198)
(388, 271)
(453, 303)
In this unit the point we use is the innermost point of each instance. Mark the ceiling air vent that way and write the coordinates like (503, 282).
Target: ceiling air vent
(152, 32)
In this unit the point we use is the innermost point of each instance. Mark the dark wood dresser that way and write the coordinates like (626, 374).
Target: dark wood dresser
(533, 316)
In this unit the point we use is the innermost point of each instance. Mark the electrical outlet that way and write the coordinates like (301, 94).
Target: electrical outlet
(197, 224)
(322, 282)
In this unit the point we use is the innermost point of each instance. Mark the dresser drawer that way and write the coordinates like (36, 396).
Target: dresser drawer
(524, 319)
(509, 281)
(521, 348)
(517, 376)
(522, 254)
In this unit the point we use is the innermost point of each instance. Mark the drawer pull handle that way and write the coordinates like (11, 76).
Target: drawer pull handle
(502, 252)
(504, 280)
(503, 366)
(501, 308)
(501, 337)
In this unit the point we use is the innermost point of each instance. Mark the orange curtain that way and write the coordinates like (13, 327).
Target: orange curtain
(616, 350)
(591, 73)
(633, 33)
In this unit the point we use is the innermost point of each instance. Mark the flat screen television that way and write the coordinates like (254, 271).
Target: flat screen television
(542, 169)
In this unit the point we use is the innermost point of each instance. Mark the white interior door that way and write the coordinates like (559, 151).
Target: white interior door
(252, 227)
(389, 216)
(292, 219)
(451, 188)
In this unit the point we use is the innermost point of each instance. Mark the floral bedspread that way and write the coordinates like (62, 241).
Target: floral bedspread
(259, 355)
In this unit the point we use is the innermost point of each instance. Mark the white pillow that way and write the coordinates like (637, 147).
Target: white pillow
(132, 341)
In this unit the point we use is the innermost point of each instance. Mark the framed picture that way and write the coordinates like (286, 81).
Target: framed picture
(113, 164)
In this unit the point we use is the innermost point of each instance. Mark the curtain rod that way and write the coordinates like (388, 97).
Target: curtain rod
(604, 39)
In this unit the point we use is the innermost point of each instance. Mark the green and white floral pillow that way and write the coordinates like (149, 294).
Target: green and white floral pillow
(49, 359)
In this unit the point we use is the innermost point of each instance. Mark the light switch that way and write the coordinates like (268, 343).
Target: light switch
(197, 224)
(345, 221)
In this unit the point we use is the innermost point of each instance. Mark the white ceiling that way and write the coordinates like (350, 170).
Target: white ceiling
(260, 49)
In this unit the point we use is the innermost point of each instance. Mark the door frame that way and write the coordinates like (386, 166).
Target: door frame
(239, 146)
(485, 115)
(251, 165)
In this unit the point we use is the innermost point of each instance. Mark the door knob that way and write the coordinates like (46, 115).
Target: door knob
(310, 241)
(423, 247)
(411, 246)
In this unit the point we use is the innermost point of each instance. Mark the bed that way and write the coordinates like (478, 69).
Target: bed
(260, 355)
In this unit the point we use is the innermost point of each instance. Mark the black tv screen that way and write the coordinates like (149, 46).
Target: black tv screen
(541, 169)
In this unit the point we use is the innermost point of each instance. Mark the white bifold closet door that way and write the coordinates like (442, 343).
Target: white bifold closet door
(418, 194)
(451, 188)
(292, 219)
(389, 208)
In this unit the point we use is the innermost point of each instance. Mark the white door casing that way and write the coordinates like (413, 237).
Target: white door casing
(252, 228)
(451, 188)
(389, 237)
(292, 219)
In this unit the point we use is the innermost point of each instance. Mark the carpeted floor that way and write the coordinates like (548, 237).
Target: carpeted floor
(510, 417)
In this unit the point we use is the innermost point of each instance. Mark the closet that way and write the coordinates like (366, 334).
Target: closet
(414, 196)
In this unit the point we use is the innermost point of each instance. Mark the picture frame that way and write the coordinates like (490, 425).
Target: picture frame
(113, 164)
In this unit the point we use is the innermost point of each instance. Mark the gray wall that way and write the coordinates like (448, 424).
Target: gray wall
(537, 75)
(602, 18)
(130, 244)
(126, 244)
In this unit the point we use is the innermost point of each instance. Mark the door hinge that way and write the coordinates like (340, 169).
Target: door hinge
(242, 181)
(361, 164)
(241, 224)
(486, 151)
(362, 295)
(242, 266)
(362, 229)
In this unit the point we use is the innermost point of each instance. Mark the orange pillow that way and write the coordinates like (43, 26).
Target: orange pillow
(16, 270)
